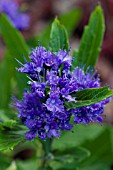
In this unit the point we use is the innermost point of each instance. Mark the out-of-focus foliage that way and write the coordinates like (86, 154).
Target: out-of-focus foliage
(5, 161)
(72, 23)
(16, 47)
(97, 139)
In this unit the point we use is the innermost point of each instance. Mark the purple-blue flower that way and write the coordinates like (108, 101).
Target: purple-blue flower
(51, 82)
(19, 19)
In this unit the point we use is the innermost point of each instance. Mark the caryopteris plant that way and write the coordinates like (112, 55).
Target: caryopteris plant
(62, 90)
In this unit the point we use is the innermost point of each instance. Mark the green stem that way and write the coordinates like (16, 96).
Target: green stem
(47, 146)
(47, 150)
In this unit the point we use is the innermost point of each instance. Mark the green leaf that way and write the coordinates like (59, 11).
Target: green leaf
(81, 133)
(58, 37)
(95, 138)
(3, 116)
(69, 158)
(8, 124)
(45, 168)
(97, 166)
(11, 134)
(6, 72)
(101, 152)
(13, 39)
(6, 115)
(16, 47)
(89, 96)
(91, 40)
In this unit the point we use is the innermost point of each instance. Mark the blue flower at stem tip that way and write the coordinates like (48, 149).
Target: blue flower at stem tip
(19, 19)
(51, 82)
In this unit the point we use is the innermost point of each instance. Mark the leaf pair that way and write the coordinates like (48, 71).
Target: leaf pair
(86, 56)
(90, 44)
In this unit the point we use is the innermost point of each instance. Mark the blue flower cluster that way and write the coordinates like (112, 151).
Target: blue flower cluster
(51, 82)
(19, 19)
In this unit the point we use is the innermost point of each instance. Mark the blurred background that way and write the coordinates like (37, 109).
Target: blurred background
(74, 14)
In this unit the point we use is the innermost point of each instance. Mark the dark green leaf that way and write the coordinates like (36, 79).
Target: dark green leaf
(3, 116)
(69, 158)
(58, 37)
(91, 40)
(96, 166)
(47, 168)
(11, 134)
(13, 39)
(6, 115)
(16, 47)
(6, 73)
(89, 96)
(8, 124)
